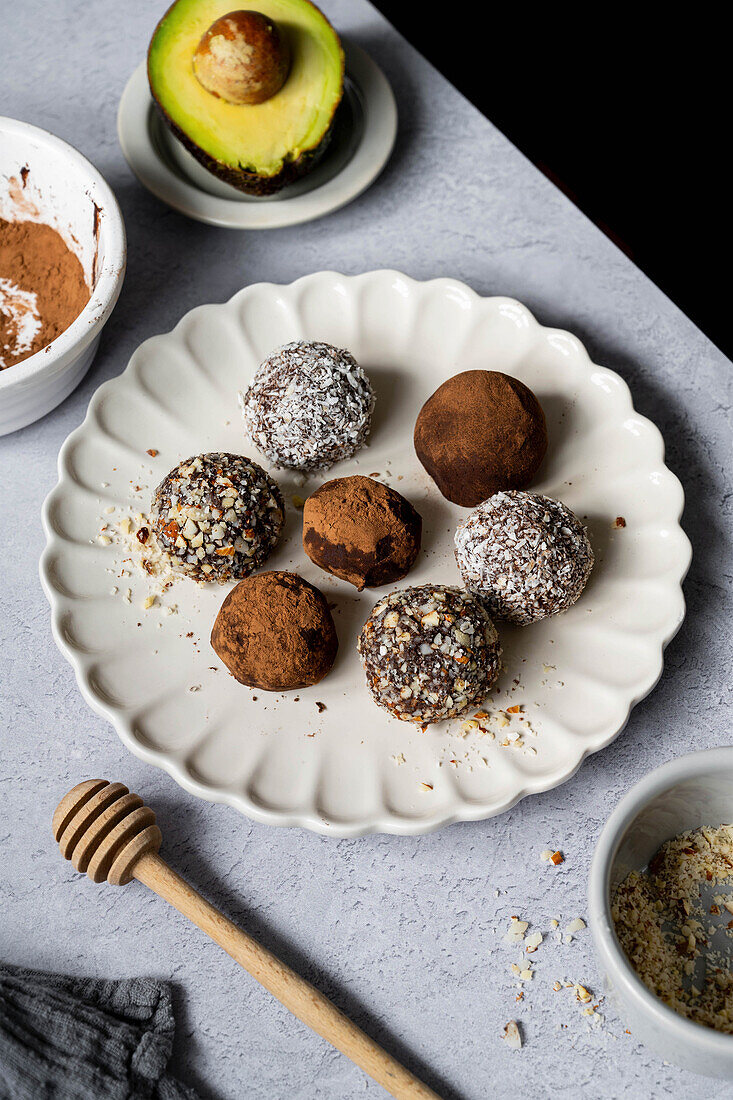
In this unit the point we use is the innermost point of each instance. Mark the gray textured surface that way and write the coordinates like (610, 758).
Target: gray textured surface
(398, 930)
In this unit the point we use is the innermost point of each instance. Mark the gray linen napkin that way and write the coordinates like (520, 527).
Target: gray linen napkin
(65, 1038)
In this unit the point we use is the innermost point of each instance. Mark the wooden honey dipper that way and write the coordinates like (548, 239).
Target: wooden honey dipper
(111, 834)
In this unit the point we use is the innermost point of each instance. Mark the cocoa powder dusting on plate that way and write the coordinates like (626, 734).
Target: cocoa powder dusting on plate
(42, 289)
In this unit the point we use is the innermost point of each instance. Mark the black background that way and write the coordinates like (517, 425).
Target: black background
(629, 116)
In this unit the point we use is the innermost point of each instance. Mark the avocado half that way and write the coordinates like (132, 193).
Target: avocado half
(255, 148)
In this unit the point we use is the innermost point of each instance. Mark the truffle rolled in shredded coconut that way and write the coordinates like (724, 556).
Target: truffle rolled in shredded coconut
(308, 406)
(429, 652)
(217, 516)
(527, 556)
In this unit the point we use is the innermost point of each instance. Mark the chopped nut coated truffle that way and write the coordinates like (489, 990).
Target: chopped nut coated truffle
(217, 516)
(429, 652)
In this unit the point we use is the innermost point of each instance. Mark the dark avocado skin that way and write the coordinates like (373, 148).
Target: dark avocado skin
(244, 179)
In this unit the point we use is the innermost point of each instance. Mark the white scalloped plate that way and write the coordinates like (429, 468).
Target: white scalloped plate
(352, 769)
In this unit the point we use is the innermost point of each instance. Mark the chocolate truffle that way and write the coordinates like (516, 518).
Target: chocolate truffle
(217, 517)
(361, 531)
(479, 433)
(309, 405)
(275, 632)
(429, 652)
(527, 556)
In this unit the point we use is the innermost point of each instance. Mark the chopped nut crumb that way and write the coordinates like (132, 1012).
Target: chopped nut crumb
(575, 926)
(661, 919)
(516, 930)
(512, 1035)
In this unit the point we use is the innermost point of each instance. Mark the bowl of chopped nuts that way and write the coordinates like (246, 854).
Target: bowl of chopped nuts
(660, 899)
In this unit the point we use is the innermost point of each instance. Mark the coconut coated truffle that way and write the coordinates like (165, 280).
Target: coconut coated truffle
(217, 517)
(527, 556)
(275, 632)
(361, 531)
(429, 652)
(308, 406)
(479, 433)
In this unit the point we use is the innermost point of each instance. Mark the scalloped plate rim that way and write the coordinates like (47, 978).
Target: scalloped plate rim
(390, 823)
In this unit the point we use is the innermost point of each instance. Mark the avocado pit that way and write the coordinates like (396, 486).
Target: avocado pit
(242, 58)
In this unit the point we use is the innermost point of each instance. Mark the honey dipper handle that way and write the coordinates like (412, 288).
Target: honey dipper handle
(298, 995)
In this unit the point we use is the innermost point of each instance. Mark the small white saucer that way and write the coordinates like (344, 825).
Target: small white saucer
(363, 138)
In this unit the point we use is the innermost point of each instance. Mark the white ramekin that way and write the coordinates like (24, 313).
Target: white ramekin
(684, 794)
(44, 179)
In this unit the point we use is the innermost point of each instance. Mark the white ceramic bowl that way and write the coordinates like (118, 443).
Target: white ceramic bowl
(43, 179)
(684, 794)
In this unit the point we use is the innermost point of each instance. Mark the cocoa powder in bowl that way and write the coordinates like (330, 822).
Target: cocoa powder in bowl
(481, 432)
(274, 631)
(42, 289)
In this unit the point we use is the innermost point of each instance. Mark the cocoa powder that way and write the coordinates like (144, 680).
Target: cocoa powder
(362, 531)
(481, 432)
(274, 631)
(42, 289)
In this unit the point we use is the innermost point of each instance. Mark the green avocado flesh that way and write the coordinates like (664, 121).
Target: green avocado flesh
(257, 148)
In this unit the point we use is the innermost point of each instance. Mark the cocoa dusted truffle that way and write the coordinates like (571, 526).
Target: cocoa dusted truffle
(429, 652)
(480, 432)
(217, 517)
(361, 531)
(308, 406)
(275, 632)
(525, 555)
